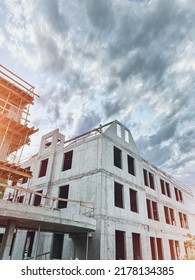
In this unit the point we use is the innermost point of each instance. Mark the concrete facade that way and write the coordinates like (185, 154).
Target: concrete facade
(140, 211)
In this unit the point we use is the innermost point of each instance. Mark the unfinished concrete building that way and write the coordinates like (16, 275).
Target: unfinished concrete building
(136, 210)
(16, 96)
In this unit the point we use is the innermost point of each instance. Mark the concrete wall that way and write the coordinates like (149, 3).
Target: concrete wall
(91, 178)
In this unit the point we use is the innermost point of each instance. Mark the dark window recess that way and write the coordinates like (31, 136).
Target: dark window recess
(120, 245)
(162, 186)
(136, 246)
(183, 220)
(130, 163)
(178, 195)
(67, 162)
(58, 240)
(145, 178)
(172, 216)
(37, 198)
(43, 168)
(118, 195)
(174, 249)
(165, 188)
(151, 180)
(155, 211)
(169, 215)
(149, 211)
(133, 200)
(117, 157)
(21, 199)
(156, 248)
(148, 179)
(159, 248)
(166, 214)
(64, 190)
(152, 210)
(29, 243)
(25, 179)
(153, 248)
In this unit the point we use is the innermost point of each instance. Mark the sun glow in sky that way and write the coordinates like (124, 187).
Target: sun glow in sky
(93, 61)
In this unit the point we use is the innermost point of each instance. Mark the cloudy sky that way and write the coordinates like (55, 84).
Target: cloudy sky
(93, 61)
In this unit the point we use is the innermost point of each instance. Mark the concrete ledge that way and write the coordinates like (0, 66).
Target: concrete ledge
(31, 217)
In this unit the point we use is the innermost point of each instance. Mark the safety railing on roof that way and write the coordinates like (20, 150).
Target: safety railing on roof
(86, 135)
(174, 181)
(16, 80)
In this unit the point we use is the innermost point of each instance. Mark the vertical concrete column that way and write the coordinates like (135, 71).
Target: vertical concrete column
(7, 240)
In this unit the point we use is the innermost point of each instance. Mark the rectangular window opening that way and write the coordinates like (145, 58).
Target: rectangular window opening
(174, 249)
(151, 180)
(57, 247)
(48, 142)
(30, 236)
(43, 168)
(118, 195)
(133, 200)
(117, 157)
(67, 161)
(37, 198)
(178, 195)
(120, 245)
(156, 248)
(152, 210)
(136, 246)
(145, 177)
(63, 193)
(130, 164)
(148, 179)
(119, 130)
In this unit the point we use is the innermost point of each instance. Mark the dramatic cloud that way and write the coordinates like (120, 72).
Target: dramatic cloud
(95, 61)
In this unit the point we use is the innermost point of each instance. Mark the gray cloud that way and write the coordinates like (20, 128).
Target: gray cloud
(87, 122)
(100, 14)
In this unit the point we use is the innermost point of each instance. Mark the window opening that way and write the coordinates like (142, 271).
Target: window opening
(148, 179)
(43, 168)
(29, 243)
(178, 195)
(174, 249)
(165, 188)
(63, 193)
(37, 198)
(48, 141)
(67, 162)
(120, 245)
(118, 195)
(119, 130)
(130, 163)
(117, 157)
(152, 210)
(156, 248)
(58, 240)
(136, 246)
(133, 200)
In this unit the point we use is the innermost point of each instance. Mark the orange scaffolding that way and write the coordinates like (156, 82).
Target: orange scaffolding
(16, 96)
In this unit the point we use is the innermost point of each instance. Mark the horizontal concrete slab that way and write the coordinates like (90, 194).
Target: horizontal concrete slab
(50, 220)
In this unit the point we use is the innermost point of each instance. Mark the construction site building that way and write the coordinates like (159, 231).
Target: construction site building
(140, 212)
